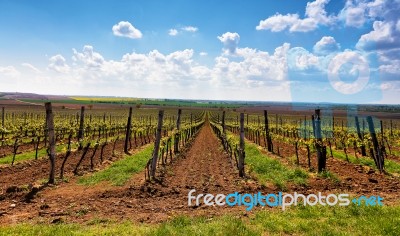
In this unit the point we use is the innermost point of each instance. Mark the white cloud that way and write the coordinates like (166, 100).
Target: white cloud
(230, 41)
(251, 68)
(354, 14)
(126, 29)
(326, 45)
(88, 57)
(357, 13)
(9, 72)
(299, 59)
(381, 37)
(58, 64)
(175, 74)
(190, 29)
(173, 32)
(316, 11)
(390, 61)
(237, 73)
(315, 15)
(278, 22)
(30, 66)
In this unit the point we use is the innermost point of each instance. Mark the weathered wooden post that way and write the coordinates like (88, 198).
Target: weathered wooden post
(157, 144)
(267, 134)
(377, 155)
(178, 126)
(391, 128)
(223, 122)
(2, 123)
(2, 116)
(321, 149)
(128, 131)
(52, 141)
(81, 126)
(360, 136)
(241, 147)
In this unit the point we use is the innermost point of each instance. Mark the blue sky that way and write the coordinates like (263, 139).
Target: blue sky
(319, 51)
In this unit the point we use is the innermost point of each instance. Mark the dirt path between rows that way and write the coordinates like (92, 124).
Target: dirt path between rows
(204, 167)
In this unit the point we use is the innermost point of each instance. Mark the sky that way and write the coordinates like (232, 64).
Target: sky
(345, 51)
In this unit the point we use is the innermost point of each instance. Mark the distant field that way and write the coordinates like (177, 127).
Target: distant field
(105, 99)
(134, 101)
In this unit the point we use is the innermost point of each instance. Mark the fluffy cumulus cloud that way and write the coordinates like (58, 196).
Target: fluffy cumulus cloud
(176, 68)
(358, 12)
(326, 45)
(126, 29)
(58, 64)
(230, 41)
(172, 32)
(383, 36)
(247, 70)
(247, 67)
(88, 57)
(355, 13)
(300, 59)
(315, 15)
(251, 68)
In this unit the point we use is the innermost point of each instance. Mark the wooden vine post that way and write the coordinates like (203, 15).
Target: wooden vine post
(178, 126)
(360, 136)
(267, 134)
(376, 153)
(81, 127)
(2, 122)
(241, 147)
(157, 144)
(2, 117)
(321, 148)
(52, 141)
(223, 122)
(128, 131)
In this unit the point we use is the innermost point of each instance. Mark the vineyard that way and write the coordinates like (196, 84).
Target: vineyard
(61, 165)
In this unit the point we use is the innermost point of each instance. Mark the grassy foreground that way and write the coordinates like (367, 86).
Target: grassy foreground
(120, 171)
(268, 169)
(351, 220)
(390, 166)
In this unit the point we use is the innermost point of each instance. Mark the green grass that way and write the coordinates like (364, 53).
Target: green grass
(329, 175)
(390, 166)
(270, 169)
(120, 171)
(29, 155)
(317, 220)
